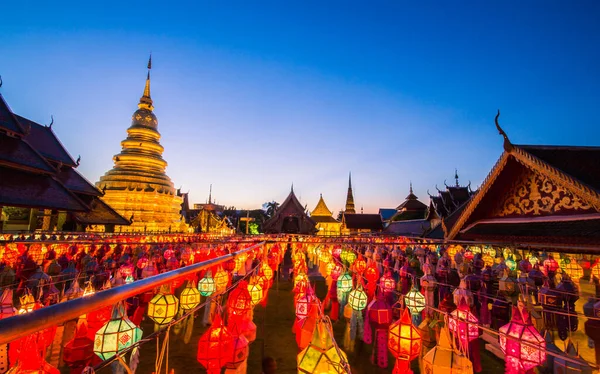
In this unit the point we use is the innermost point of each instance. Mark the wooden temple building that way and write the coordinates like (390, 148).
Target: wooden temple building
(290, 218)
(40, 188)
(208, 217)
(137, 186)
(547, 195)
(326, 224)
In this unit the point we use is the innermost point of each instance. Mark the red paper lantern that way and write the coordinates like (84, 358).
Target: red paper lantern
(79, 351)
(360, 265)
(463, 323)
(215, 347)
(239, 301)
(240, 347)
(380, 312)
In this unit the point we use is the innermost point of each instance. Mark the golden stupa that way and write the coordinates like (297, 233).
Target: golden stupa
(137, 186)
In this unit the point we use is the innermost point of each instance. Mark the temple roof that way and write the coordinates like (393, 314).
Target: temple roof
(8, 121)
(18, 153)
(412, 205)
(386, 213)
(321, 209)
(100, 214)
(324, 219)
(20, 188)
(290, 217)
(414, 227)
(76, 182)
(371, 222)
(43, 139)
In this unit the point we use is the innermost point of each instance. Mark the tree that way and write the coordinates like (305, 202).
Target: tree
(270, 208)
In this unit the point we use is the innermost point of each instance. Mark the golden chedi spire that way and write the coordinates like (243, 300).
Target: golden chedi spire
(350, 197)
(137, 186)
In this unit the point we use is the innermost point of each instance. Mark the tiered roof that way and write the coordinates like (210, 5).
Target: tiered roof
(291, 218)
(321, 213)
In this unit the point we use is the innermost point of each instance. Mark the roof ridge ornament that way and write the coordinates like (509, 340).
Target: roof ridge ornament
(507, 144)
(51, 122)
(1, 81)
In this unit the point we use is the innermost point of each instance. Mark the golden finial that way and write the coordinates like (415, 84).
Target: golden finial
(146, 100)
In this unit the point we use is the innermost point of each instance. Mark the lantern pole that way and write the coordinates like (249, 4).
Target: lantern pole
(22, 325)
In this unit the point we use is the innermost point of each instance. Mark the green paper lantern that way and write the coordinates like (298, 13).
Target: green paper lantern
(117, 334)
(207, 286)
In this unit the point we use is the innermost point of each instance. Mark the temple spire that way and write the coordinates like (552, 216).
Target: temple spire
(456, 177)
(146, 100)
(350, 197)
(411, 190)
(210, 194)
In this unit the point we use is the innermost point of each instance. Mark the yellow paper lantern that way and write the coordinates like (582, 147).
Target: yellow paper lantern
(301, 277)
(163, 306)
(190, 297)
(256, 292)
(445, 359)
(267, 271)
(221, 280)
(357, 299)
(321, 355)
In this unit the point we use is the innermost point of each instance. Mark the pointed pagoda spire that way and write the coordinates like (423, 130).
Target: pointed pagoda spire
(456, 177)
(411, 195)
(210, 194)
(350, 197)
(146, 100)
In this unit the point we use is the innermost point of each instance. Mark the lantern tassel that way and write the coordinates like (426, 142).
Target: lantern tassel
(368, 334)
(4, 358)
(381, 338)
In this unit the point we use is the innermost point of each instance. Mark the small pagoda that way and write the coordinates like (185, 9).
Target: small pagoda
(326, 224)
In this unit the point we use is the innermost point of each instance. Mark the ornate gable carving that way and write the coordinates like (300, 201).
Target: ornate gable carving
(534, 195)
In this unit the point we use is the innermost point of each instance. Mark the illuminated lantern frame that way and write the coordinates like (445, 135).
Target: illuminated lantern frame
(344, 283)
(414, 301)
(190, 297)
(256, 292)
(207, 286)
(357, 299)
(163, 307)
(520, 356)
(215, 347)
(404, 341)
(117, 334)
(321, 355)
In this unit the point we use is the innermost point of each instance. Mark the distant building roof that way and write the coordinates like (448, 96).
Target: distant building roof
(371, 222)
(386, 213)
(415, 227)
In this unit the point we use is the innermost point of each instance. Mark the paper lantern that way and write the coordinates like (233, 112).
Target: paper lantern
(267, 271)
(387, 283)
(573, 270)
(247, 328)
(117, 334)
(207, 286)
(596, 269)
(305, 327)
(190, 297)
(443, 358)
(215, 347)
(357, 299)
(551, 264)
(360, 265)
(256, 292)
(521, 357)
(350, 257)
(404, 341)
(221, 280)
(380, 312)
(163, 306)
(79, 351)
(344, 283)
(301, 278)
(239, 302)
(463, 323)
(240, 347)
(321, 355)
(414, 301)
(303, 303)
(6, 304)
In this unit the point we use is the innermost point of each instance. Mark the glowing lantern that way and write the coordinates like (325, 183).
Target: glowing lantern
(463, 323)
(596, 269)
(404, 341)
(533, 259)
(207, 286)
(360, 265)
(414, 301)
(163, 306)
(445, 359)
(240, 348)
(221, 280)
(321, 355)
(551, 265)
(256, 292)
(267, 271)
(350, 257)
(488, 260)
(117, 334)
(79, 351)
(215, 347)
(89, 289)
(357, 299)
(468, 255)
(521, 357)
(239, 301)
(511, 264)
(6, 304)
(190, 297)
(303, 303)
(27, 303)
(300, 278)
(344, 283)
(387, 283)
(573, 270)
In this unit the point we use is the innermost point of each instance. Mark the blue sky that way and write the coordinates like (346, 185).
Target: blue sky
(255, 97)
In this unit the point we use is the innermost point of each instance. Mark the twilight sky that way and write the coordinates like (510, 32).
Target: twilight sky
(253, 98)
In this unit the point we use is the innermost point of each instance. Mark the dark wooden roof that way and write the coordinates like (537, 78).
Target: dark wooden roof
(415, 227)
(582, 163)
(76, 182)
(371, 222)
(8, 122)
(412, 205)
(43, 139)
(21, 188)
(19, 154)
(99, 214)
(290, 215)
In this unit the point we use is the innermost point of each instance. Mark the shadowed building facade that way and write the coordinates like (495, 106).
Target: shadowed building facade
(137, 186)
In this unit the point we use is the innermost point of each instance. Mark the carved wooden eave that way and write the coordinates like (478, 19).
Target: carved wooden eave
(534, 164)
